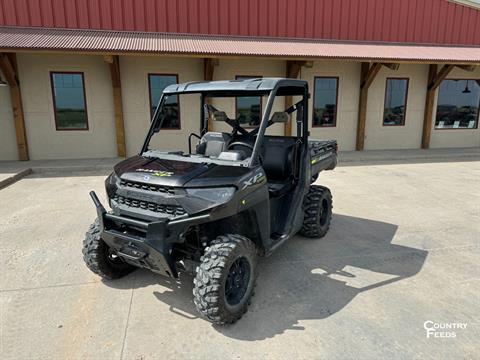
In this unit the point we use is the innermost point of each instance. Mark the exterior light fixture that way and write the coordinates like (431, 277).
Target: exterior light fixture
(466, 90)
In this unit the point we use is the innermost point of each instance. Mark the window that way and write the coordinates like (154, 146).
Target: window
(396, 92)
(69, 104)
(156, 84)
(457, 105)
(325, 101)
(248, 109)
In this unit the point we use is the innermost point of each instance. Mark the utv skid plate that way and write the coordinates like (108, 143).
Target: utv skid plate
(150, 246)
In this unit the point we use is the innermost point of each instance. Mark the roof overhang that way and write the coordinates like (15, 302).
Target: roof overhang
(122, 42)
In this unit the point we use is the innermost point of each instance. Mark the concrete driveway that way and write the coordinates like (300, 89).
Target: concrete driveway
(403, 249)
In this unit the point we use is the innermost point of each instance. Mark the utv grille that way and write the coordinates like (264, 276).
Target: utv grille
(162, 209)
(150, 187)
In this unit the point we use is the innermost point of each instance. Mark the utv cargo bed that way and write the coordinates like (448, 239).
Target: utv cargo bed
(323, 155)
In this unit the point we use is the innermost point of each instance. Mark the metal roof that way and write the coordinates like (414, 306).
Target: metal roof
(119, 42)
(259, 84)
(406, 21)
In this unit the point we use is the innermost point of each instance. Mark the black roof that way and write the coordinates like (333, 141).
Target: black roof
(232, 87)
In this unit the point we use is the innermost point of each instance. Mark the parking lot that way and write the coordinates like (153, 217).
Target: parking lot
(403, 250)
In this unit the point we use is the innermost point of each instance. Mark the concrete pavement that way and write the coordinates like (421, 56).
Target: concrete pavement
(403, 249)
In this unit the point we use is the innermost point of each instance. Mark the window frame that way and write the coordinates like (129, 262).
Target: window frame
(436, 107)
(336, 101)
(150, 101)
(406, 101)
(52, 87)
(235, 110)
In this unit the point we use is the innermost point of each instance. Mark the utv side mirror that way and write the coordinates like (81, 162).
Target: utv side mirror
(279, 117)
(219, 116)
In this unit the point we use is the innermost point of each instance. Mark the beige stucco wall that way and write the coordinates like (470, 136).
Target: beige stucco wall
(44, 141)
(456, 137)
(99, 141)
(135, 95)
(8, 144)
(408, 136)
(348, 74)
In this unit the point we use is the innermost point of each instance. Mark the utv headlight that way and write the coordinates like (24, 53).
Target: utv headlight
(217, 195)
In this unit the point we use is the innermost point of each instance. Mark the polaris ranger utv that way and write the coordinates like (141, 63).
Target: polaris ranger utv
(212, 211)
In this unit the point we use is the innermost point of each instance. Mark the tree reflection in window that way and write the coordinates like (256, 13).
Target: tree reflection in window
(325, 101)
(395, 101)
(69, 100)
(157, 83)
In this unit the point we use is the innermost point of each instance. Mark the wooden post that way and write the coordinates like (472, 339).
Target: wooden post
(208, 71)
(429, 100)
(368, 74)
(292, 71)
(434, 81)
(8, 65)
(114, 65)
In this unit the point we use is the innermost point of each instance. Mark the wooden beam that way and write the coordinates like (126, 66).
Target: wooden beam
(392, 66)
(114, 64)
(429, 101)
(209, 68)
(8, 70)
(292, 71)
(368, 74)
(466, 67)
(8, 65)
(442, 74)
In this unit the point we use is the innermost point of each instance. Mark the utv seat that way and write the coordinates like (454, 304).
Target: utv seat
(278, 162)
(213, 143)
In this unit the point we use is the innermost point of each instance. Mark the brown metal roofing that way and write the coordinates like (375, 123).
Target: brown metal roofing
(14, 38)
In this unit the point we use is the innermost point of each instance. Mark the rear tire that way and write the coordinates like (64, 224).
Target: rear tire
(225, 279)
(99, 257)
(317, 212)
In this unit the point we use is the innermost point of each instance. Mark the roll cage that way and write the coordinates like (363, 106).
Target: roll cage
(270, 87)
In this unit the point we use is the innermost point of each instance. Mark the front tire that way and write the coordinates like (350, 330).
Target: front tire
(317, 212)
(225, 279)
(100, 258)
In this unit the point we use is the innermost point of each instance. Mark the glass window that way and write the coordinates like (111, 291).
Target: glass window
(69, 101)
(158, 82)
(325, 101)
(395, 102)
(457, 105)
(248, 108)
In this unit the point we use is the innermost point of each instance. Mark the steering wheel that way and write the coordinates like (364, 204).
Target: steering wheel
(247, 145)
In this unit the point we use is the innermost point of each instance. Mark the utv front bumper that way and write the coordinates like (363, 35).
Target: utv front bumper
(143, 244)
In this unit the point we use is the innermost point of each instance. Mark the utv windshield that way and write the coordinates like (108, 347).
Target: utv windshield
(222, 127)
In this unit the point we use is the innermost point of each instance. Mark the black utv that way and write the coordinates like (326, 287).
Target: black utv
(238, 195)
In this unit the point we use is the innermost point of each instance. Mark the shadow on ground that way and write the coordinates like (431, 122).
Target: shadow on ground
(305, 279)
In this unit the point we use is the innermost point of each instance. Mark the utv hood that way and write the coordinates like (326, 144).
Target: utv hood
(178, 173)
(160, 172)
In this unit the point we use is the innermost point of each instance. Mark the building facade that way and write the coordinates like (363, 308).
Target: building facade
(83, 76)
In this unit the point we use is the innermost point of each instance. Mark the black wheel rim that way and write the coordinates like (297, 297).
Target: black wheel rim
(238, 278)
(324, 212)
